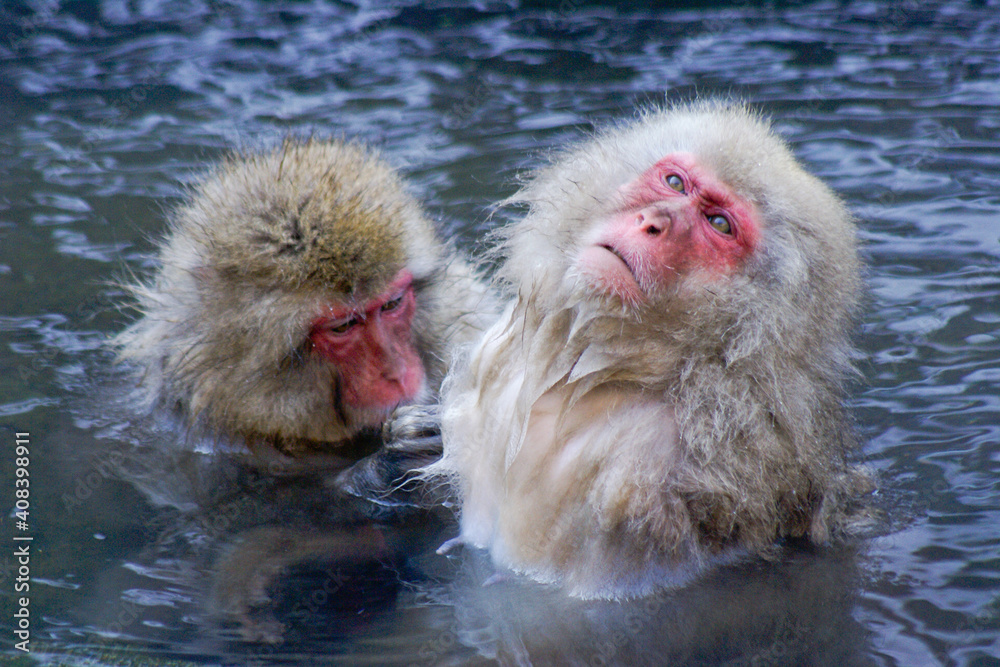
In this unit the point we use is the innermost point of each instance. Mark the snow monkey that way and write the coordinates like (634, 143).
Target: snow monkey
(302, 301)
(664, 389)
(301, 296)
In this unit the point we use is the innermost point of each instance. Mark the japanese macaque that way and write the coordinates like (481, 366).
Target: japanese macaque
(664, 389)
(302, 296)
(302, 302)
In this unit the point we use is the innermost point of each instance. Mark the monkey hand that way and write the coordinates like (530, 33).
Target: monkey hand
(387, 480)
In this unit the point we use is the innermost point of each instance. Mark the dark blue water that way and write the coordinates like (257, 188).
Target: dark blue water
(108, 108)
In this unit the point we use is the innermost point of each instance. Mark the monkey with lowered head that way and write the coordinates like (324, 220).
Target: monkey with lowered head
(302, 296)
(302, 300)
(665, 386)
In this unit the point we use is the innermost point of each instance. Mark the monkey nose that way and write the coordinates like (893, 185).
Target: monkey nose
(394, 371)
(649, 224)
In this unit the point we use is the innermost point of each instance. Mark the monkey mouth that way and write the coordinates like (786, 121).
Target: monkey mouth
(617, 254)
(609, 271)
(624, 261)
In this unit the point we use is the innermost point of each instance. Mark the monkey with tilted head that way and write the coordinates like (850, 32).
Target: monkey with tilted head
(665, 387)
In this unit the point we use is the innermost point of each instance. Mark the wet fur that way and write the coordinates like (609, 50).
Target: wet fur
(259, 248)
(704, 425)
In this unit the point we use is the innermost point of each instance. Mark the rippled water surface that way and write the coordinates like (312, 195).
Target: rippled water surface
(108, 108)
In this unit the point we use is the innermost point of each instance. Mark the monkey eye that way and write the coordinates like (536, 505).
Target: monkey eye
(675, 182)
(343, 326)
(394, 304)
(720, 224)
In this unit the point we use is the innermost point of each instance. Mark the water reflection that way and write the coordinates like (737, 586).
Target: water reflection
(794, 611)
(235, 558)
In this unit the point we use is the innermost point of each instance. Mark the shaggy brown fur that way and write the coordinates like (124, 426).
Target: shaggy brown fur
(614, 448)
(262, 246)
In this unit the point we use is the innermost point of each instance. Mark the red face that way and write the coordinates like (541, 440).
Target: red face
(677, 217)
(372, 347)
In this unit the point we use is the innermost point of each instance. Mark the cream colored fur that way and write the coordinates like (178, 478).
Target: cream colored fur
(616, 449)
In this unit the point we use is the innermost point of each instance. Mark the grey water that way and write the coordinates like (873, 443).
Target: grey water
(109, 108)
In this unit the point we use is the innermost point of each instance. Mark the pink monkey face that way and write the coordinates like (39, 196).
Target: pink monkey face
(372, 347)
(677, 217)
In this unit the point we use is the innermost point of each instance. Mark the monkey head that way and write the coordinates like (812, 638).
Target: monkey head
(290, 305)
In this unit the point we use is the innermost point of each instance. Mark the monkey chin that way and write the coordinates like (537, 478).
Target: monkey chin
(607, 272)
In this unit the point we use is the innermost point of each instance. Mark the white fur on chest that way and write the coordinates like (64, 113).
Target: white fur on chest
(568, 494)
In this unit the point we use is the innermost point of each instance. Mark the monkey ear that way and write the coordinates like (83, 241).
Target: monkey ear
(388, 480)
